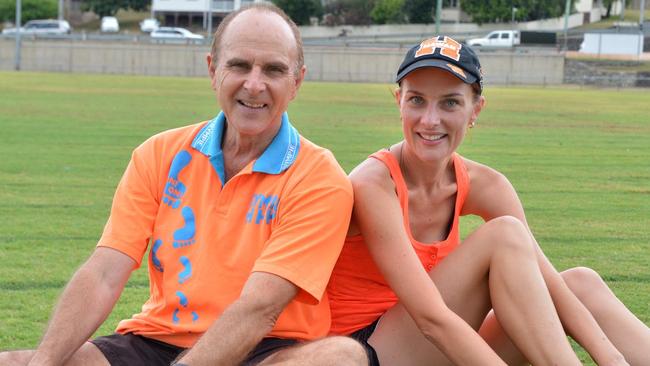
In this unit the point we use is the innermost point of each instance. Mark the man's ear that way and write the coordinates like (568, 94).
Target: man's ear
(299, 78)
(211, 66)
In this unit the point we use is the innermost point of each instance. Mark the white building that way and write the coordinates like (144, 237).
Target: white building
(194, 12)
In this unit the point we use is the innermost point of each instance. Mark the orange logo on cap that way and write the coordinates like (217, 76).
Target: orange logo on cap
(457, 70)
(448, 47)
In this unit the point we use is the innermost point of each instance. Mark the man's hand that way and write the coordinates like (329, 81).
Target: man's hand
(244, 323)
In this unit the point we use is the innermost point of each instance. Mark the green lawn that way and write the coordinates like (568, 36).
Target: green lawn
(579, 158)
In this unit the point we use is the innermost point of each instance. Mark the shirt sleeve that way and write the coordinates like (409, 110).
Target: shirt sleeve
(134, 207)
(310, 232)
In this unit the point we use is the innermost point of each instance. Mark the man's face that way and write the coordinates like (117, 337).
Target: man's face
(255, 76)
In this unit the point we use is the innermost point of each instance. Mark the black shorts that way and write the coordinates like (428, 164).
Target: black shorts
(362, 336)
(134, 350)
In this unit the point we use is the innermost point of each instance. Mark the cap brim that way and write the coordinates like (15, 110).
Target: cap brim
(458, 72)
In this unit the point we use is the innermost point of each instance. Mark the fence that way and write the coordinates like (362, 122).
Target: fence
(353, 64)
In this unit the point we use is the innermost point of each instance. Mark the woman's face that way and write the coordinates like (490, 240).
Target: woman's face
(436, 109)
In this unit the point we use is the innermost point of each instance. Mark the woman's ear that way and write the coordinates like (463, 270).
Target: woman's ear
(478, 106)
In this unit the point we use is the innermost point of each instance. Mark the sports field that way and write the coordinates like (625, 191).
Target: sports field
(579, 158)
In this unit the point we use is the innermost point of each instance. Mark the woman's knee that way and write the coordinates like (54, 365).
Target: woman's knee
(508, 233)
(584, 282)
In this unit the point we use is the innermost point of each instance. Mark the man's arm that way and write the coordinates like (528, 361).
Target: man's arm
(244, 323)
(84, 305)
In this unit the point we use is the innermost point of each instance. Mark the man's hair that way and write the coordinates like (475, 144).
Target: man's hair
(267, 7)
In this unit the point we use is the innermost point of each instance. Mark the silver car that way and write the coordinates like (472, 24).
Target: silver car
(175, 35)
(42, 27)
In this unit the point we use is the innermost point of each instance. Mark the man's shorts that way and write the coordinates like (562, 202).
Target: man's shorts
(362, 336)
(134, 350)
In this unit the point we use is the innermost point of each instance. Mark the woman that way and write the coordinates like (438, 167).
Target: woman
(390, 288)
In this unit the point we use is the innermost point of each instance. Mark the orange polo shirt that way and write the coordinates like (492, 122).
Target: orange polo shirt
(285, 213)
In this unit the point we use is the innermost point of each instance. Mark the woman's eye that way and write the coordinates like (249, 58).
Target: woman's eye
(417, 100)
(450, 103)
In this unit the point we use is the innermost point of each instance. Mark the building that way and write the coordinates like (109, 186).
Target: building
(194, 12)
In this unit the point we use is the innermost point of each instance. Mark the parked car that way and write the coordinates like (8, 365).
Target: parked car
(498, 38)
(149, 25)
(42, 27)
(175, 34)
(109, 24)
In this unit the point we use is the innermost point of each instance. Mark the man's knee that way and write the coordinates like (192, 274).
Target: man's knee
(342, 351)
(16, 357)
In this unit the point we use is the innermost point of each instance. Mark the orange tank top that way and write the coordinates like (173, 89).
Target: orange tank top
(357, 291)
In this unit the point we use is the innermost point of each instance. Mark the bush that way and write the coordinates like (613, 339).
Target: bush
(30, 9)
(388, 11)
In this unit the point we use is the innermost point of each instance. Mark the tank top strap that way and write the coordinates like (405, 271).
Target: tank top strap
(396, 173)
(462, 181)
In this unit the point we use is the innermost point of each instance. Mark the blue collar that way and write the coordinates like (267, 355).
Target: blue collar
(277, 157)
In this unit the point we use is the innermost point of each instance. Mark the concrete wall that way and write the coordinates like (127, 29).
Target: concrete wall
(323, 63)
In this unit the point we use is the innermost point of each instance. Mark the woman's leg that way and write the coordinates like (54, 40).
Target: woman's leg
(495, 267)
(630, 335)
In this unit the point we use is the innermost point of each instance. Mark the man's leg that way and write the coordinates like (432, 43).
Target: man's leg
(323, 352)
(88, 355)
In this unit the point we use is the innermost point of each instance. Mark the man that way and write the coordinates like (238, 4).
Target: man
(245, 220)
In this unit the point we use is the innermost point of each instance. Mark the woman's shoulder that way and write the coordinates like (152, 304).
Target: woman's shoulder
(369, 173)
(481, 175)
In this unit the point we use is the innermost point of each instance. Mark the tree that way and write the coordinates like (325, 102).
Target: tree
(110, 7)
(487, 11)
(300, 10)
(419, 11)
(388, 11)
(30, 9)
(354, 12)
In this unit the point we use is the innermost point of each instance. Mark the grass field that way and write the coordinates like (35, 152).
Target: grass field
(579, 158)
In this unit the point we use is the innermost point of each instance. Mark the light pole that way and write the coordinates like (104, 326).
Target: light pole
(438, 11)
(641, 14)
(209, 19)
(18, 25)
(60, 9)
(567, 9)
(514, 10)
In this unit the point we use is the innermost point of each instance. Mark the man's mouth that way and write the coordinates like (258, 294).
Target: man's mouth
(251, 105)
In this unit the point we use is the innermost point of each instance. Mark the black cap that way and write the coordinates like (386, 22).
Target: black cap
(444, 53)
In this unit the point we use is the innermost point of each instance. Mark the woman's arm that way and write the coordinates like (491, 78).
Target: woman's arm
(379, 216)
(492, 195)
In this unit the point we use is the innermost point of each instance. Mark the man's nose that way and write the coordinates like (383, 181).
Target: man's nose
(255, 82)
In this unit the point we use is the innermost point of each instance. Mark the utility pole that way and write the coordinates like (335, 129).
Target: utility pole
(623, 10)
(641, 14)
(438, 11)
(209, 19)
(60, 9)
(18, 25)
(567, 9)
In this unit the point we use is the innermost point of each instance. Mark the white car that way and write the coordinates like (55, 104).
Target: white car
(109, 25)
(149, 25)
(172, 34)
(499, 38)
(42, 27)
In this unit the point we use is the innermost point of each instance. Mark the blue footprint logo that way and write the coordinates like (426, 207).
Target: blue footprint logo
(154, 257)
(175, 189)
(175, 317)
(187, 272)
(185, 235)
(195, 316)
(182, 299)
